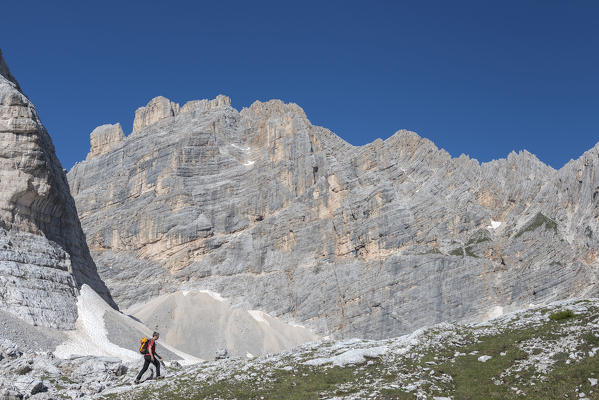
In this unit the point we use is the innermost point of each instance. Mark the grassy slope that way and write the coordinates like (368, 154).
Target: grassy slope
(532, 357)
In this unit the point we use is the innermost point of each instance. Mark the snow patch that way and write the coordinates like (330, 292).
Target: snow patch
(295, 325)
(484, 358)
(240, 148)
(212, 294)
(354, 356)
(494, 224)
(90, 336)
(249, 163)
(259, 316)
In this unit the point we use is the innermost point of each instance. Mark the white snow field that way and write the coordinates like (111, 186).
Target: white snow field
(90, 337)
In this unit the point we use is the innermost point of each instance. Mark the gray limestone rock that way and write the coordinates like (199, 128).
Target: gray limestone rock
(43, 254)
(10, 394)
(279, 215)
(104, 138)
(157, 109)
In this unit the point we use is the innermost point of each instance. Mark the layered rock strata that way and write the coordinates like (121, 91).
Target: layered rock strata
(285, 217)
(104, 138)
(43, 254)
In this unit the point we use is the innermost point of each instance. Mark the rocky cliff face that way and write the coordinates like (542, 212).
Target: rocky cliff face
(282, 216)
(43, 254)
(104, 138)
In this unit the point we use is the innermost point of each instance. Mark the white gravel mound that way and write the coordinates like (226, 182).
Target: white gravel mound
(90, 337)
(201, 322)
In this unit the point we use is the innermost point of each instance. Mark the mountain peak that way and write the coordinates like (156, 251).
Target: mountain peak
(5, 71)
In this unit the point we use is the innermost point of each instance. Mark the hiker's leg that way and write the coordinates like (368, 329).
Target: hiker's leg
(145, 368)
(157, 365)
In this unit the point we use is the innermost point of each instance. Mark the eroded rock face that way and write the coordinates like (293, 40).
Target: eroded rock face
(43, 253)
(285, 217)
(104, 138)
(158, 108)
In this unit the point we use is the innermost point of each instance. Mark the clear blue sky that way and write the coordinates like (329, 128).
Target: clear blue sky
(480, 77)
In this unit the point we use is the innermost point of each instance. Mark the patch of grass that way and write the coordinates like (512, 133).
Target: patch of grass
(381, 377)
(470, 252)
(305, 383)
(473, 379)
(480, 236)
(317, 269)
(560, 315)
(458, 251)
(396, 394)
(588, 232)
(538, 221)
(434, 250)
(591, 339)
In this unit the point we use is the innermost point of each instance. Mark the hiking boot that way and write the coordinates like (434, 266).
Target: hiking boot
(136, 381)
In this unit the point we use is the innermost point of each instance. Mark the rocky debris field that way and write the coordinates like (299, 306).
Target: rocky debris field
(546, 352)
(542, 353)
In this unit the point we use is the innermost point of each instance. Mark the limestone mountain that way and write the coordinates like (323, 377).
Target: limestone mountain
(44, 258)
(281, 216)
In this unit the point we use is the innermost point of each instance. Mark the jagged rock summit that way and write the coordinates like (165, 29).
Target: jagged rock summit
(44, 258)
(284, 217)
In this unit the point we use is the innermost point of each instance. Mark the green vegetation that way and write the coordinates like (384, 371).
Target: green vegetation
(538, 221)
(557, 316)
(470, 252)
(433, 250)
(458, 251)
(447, 365)
(473, 379)
(480, 236)
(301, 383)
(588, 232)
(462, 252)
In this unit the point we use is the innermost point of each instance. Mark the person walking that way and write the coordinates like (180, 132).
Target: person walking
(150, 357)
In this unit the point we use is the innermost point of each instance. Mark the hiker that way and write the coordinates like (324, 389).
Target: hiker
(150, 356)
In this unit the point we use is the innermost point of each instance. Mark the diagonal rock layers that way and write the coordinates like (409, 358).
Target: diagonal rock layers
(44, 258)
(285, 217)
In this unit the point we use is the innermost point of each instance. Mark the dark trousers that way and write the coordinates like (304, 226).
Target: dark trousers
(147, 361)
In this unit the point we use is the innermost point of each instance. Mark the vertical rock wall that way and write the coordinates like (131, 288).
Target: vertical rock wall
(285, 217)
(43, 254)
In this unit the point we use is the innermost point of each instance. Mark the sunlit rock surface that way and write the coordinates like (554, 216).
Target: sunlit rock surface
(285, 217)
(44, 258)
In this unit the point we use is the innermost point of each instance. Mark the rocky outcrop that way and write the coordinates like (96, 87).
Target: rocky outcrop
(160, 108)
(43, 254)
(104, 138)
(205, 105)
(157, 109)
(285, 217)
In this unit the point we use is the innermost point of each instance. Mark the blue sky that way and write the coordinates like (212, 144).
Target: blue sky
(481, 78)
